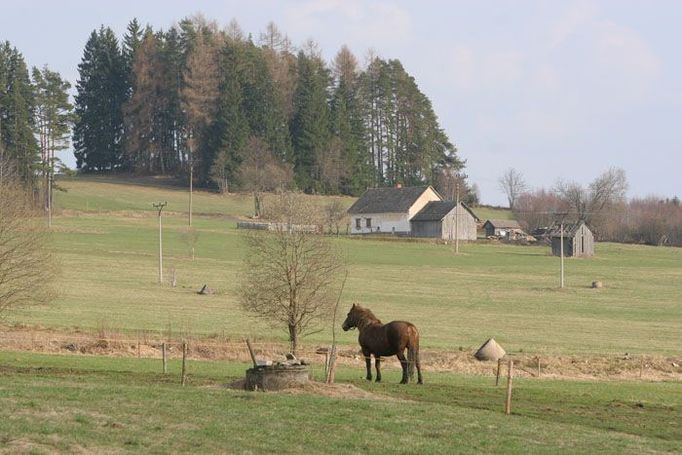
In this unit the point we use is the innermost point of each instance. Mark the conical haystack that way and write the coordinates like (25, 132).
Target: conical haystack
(490, 351)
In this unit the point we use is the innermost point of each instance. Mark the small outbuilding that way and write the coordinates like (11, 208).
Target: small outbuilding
(578, 240)
(440, 219)
(501, 228)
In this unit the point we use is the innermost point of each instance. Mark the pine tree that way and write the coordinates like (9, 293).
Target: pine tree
(348, 125)
(53, 118)
(281, 64)
(231, 128)
(17, 142)
(310, 130)
(101, 91)
(132, 41)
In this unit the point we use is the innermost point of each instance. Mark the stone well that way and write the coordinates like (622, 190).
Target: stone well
(276, 377)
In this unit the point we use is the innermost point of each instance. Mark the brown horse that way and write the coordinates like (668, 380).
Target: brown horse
(382, 340)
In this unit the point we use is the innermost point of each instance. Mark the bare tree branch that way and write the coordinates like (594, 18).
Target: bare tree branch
(290, 273)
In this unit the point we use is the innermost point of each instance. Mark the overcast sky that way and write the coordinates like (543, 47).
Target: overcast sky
(556, 89)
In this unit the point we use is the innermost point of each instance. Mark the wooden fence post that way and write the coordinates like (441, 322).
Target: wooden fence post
(510, 375)
(253, 356)
(184, 363)
(641, 366)
(165, 358)
(497, 376)
(539, 369)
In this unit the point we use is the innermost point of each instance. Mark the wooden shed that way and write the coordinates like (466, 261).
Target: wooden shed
(578, 240)
(437, 220)
(500, 228)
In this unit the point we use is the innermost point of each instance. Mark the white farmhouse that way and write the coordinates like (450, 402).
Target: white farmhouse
(389, 210)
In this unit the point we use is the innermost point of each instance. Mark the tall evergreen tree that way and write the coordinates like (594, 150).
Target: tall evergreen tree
(231, 128)
(53, 118)
(17, 142)
(348, 126)
(281, 64)
(310, 130)
(102, 90)
(132, 41)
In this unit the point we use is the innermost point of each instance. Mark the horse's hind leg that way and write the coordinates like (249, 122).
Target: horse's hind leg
(377, 364)
(403, 363)
(368, 364)
(419, 370)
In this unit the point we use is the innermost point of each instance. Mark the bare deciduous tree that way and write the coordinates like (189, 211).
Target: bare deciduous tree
(190, 237)
(262, 171)
(513, 185)
(538, 209)
(290, 274)
(27, 267)
(336, 214)
(587, 203)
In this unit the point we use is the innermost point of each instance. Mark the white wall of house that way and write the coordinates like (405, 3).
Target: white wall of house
(389, 223)
(397, 223)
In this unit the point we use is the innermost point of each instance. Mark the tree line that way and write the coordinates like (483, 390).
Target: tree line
(35, 118)
(203, 102)
(601, 204)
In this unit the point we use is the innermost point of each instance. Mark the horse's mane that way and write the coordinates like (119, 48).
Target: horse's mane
(366, 314)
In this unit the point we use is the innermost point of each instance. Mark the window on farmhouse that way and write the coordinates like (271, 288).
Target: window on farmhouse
(357, 223)
(369, 222)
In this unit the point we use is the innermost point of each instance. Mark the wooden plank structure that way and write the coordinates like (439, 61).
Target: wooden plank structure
(500, 228)
(440, 219)
(578, 240)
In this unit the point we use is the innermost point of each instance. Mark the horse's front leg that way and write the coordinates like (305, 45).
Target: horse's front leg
(368, 363)
(403, 363)
(377, 364)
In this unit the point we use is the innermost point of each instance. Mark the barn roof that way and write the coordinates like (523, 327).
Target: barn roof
(436, 211)
(387, 200)
(570, 229)
(504, 224)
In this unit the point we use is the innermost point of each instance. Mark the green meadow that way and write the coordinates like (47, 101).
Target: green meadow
(99, 405)
(105, 236)
(107, 243)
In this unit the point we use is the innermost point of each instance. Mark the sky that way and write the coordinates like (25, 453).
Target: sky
(555, 89)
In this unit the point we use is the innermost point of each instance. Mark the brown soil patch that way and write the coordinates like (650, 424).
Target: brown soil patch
(584, 366)
(340, 391)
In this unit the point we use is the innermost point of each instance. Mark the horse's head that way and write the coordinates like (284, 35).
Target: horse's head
(351, 321)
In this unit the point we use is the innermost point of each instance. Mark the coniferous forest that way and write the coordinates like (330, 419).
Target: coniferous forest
(231, 110)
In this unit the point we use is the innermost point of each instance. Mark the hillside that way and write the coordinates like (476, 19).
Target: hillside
(107, 242)
(84, 374)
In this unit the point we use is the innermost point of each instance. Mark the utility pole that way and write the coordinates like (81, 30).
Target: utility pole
(159, 206)
(561, 234)
(191, 177)
(457, 217)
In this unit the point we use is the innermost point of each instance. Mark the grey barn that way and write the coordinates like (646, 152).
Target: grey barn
(437, 220)
(578, 240)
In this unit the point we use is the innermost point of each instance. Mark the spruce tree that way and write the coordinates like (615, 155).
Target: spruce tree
(17, 141)
(310, 130)
(102, 90)
(231, 127)
(348, 125)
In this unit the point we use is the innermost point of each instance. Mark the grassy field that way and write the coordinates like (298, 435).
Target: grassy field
(91, 404)
(106, 240)
(109, 264)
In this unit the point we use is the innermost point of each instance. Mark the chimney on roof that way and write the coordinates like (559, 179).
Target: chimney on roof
(398, 185)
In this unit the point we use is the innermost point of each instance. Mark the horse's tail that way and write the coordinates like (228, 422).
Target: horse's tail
(412, 352)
